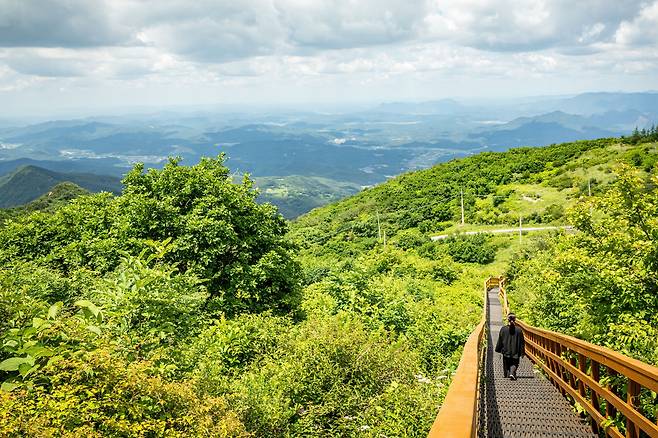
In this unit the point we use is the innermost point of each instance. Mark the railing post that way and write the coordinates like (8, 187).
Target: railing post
(610, 410)
(560, 368)
(551, 361)
(632, 392)
(582, 366)
(596, 376)
(572, 378)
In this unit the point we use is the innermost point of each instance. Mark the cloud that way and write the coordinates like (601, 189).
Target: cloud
(642, 29)
(209, 31)
(224, 31)
(60, 23)
(343, 24)
(46, 63)
(278, 48)
(111, 63)
(529, 25)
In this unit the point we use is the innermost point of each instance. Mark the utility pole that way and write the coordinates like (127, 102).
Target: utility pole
(462, 196)
(379, 229)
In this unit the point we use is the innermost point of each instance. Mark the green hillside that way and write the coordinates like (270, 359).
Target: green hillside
(182, 305)
(56, 197)
(294, 195)
(538, 184)
(27, 183)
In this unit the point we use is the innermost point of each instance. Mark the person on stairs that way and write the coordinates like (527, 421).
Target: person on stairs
(512, 346)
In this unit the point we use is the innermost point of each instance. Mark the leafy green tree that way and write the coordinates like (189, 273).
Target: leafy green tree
(602, 282)
(217, 230)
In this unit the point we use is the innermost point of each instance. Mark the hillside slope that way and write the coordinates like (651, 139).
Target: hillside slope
(534, 184)
(384, 232)
(351, 324)
(297, 194)
(27, 183)
(56, 197)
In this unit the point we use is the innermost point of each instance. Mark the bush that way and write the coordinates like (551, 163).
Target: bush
(97, 394)
(410, 239)
(326, 379)
(553, 212)
(471, 249)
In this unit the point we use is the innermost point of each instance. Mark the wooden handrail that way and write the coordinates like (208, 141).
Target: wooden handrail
(458, 416)
(576, 368)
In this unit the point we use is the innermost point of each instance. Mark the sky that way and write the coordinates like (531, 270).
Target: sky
(58, 55)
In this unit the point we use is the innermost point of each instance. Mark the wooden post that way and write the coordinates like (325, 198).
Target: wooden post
(572, 377)
(561, 370)
(596, 376)
(610, 410)
(582, 366)
(632, 392)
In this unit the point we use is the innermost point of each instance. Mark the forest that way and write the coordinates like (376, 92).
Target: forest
(182, 307)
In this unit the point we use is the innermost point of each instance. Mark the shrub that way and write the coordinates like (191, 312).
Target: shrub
(471, 249)
(97, 394)
(327, 374)
(410, 239)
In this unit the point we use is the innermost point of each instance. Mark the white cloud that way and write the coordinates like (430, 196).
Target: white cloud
(642, 29)
(176, 49)
(61, 23)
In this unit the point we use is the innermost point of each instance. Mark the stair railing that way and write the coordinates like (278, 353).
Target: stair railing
(458, 416)
(607, 385)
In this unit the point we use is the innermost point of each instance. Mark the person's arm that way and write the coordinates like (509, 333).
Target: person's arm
(522, 344)
(499, 344)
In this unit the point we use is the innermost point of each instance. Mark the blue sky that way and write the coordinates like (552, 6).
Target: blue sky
(95, 54)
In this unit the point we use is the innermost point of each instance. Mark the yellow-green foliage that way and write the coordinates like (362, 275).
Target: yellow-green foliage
(600, 283)
(182, 308)
(97, 394)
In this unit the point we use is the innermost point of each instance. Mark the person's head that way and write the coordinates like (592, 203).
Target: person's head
(511, 318)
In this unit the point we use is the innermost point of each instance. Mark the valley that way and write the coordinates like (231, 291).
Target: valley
(302, 159)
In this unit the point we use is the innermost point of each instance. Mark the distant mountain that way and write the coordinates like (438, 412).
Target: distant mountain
(443, 106)
(536, 132)
(28, 183)
(357, 146)
(56, 196)
(593, 103)
(571, 121)
(107, 166)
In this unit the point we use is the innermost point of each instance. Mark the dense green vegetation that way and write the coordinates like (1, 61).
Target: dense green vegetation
(182, 307)
(57, 196)
(600, 284)
(296, 194)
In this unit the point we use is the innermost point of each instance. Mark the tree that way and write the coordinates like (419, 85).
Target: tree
(218, 232)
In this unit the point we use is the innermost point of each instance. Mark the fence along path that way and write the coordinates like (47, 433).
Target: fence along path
(608, 386)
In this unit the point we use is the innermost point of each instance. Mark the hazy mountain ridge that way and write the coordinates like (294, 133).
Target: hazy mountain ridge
(360, 148)
(28, 183)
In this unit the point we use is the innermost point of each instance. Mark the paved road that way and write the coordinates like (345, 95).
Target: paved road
(502, 231)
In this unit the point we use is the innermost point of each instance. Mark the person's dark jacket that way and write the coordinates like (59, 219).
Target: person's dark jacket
(510, 342)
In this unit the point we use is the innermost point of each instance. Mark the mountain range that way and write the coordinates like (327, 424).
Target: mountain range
(28, 183)
(303, 159)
